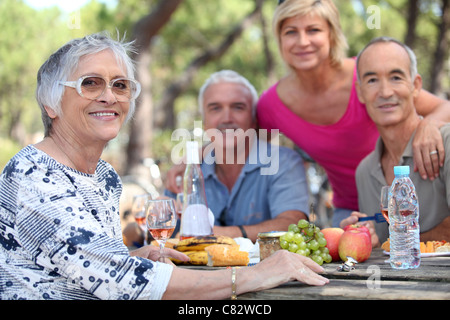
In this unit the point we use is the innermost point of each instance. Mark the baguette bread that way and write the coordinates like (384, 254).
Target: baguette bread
(221, 255)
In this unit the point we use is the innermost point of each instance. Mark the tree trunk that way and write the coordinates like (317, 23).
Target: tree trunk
(270, 61)
(413, 13)
(437, 70)
(141, 126)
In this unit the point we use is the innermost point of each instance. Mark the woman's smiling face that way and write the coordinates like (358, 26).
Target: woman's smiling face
(92, 120)
(305, 41)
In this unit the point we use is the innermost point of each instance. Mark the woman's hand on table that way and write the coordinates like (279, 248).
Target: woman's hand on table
(284, 266)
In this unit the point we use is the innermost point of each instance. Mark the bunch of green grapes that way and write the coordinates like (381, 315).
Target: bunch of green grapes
(306, 239)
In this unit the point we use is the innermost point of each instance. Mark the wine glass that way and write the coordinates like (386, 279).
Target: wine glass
(138, 210)
(384, 202)
(161, 221)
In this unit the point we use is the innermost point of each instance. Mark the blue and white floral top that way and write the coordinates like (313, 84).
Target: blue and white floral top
(60, 235)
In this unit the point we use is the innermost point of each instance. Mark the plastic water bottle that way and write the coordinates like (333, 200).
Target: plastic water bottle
(195, 219)
(404, 231)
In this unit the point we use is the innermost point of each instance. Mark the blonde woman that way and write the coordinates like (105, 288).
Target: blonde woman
(317, 107)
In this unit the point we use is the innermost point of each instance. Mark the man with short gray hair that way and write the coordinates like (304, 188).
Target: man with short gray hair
(389, 85)
(252, 186)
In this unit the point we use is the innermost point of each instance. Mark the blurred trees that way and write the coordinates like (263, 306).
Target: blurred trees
(141, 129)
(178, 51)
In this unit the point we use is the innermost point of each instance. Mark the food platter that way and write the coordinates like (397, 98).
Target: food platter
(427, 249)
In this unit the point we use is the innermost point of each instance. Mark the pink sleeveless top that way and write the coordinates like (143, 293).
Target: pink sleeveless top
(338, 148)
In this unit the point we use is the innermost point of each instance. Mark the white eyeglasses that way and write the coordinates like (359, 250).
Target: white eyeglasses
(92, 87)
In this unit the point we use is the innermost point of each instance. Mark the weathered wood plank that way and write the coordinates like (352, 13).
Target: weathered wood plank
(431, 269)
(373, 279)
(341, 289)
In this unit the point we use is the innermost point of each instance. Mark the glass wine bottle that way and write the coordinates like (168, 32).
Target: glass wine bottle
(195, 219)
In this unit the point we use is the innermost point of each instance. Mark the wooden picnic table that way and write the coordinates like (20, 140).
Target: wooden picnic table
(373, 279)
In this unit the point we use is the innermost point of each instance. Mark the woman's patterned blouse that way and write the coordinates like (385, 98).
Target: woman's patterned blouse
(60, 235)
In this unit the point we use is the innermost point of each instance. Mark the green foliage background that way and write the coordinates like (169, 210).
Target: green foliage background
(28, 36)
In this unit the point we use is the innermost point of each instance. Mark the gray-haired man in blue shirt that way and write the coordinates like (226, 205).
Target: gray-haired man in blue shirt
(251, 186)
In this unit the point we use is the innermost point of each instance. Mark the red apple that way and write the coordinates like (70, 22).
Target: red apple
(333, 235)
(357, 227)
(355, 243)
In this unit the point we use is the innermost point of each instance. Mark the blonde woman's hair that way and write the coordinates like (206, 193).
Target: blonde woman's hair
(325, 9)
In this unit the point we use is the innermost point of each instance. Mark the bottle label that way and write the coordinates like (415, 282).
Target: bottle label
(196, 221)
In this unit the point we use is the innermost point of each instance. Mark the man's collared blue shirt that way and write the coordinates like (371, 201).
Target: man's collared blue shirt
(257, 197)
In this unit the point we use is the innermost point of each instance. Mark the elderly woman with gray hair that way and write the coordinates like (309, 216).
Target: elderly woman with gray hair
(60, 231)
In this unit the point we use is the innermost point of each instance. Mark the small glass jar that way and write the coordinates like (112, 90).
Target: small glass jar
(269, 242)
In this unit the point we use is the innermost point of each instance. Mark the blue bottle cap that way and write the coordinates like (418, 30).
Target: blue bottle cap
(401, 170)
